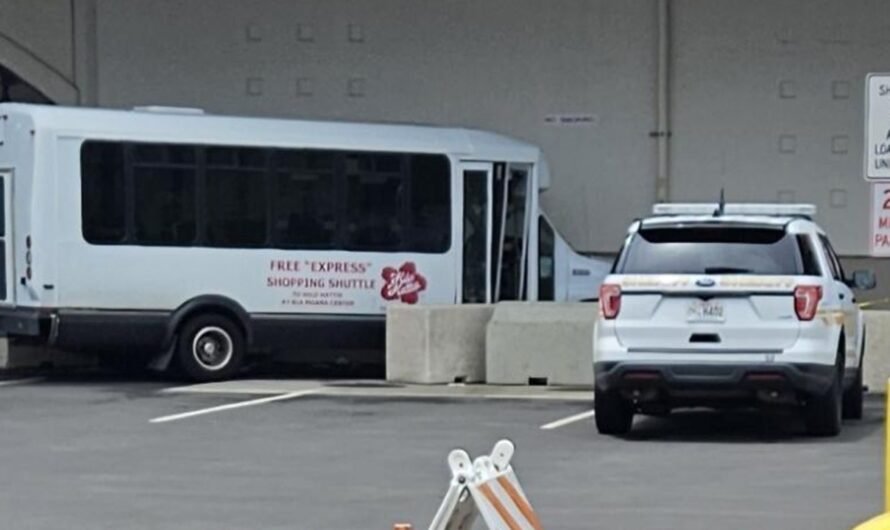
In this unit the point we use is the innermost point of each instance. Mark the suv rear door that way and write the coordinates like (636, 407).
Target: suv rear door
(840, 302)
(710, 287)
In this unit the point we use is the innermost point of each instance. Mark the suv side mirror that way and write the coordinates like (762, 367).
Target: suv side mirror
(863, 280)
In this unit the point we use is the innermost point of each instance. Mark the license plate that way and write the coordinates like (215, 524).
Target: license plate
(705, 311)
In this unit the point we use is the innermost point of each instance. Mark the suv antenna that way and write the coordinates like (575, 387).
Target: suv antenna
(721, 205)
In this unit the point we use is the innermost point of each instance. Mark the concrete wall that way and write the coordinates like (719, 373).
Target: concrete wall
(37, 43)
(497, 64)
(768, 102)
(766, 95)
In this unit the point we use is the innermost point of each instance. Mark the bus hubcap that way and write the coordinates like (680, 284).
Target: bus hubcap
(212, 348)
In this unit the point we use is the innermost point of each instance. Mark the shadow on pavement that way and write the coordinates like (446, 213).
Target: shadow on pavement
(750, 426)
(138, 373)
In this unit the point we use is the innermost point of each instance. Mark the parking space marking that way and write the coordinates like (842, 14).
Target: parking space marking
(567, 420)
(25, 381)
(231, 406)
(260, 387)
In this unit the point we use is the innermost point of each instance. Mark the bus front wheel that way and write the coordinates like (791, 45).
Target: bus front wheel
(210, 348)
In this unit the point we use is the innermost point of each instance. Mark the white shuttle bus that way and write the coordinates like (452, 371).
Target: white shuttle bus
(204, 239)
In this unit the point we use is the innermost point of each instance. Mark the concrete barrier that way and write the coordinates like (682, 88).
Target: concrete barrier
(545, 343)
(436, 344)
(877, 351)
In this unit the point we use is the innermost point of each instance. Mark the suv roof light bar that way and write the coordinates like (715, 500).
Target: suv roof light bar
(161, 109)
(806, 211)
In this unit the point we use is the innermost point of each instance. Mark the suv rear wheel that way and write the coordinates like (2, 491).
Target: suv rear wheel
(613, 414)
(853, 397)
(824, 412)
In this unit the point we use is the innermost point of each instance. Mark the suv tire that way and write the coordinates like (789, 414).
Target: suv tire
(824, 412)
(614, 415)
(853, 397)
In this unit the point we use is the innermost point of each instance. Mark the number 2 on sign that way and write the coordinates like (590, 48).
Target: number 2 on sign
(886, 200)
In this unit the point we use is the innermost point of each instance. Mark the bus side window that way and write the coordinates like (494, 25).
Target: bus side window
(305, 196)
(397, 203)
(374, 194)
(430, 204)
(246, 197)
(546, 258)
(164, 188)
(103, 201)
(236, 199)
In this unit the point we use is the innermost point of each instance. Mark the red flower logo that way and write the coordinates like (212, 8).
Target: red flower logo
(404, 283)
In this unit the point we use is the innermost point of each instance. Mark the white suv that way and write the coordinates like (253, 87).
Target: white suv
(724, 305)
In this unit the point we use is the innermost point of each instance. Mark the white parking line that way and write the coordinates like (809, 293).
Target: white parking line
(568, 420)
(230, 406)
(25, 381)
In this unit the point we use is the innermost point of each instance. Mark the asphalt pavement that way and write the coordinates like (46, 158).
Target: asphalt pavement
(84, 453)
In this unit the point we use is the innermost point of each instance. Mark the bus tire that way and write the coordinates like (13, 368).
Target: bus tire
(210, 347)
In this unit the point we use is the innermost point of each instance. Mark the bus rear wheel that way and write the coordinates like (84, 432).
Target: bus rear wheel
(210, 348)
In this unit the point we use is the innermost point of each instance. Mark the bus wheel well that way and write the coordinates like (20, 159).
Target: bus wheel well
(214, 310)
(209, 305)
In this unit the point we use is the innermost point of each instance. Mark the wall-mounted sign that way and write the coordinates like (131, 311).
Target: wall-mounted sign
(880, 220)
(877, 127)
(571, 120)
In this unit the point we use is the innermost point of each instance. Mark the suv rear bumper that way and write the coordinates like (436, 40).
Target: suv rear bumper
(703, 381)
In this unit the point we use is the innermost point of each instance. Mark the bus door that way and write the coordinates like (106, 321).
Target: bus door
(7, 281)
(496, 225)
(511, 214)
(477, 233)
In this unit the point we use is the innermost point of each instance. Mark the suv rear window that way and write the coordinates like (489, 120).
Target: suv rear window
(712, 250)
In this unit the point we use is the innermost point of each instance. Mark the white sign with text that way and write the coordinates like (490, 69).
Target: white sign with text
(877, 127)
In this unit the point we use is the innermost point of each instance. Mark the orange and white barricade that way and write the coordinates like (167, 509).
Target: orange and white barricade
(486, 488)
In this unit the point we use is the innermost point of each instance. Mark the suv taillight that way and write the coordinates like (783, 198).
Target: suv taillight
(806, 301)
(610, 300)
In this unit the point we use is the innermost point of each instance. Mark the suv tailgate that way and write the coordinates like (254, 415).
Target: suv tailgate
(735, 314)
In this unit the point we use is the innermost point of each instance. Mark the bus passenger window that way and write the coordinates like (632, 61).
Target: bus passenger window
(375, 193)
(430, 205)
(164, 188)
(248, 197)
(236, 199)
(304, 197)
(103, 200)
(373, 213)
